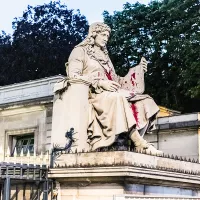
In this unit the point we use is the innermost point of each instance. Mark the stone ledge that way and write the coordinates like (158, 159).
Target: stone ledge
(126, 166)
(179, 125)
(121, 158)
(125, 173)
(150, 197)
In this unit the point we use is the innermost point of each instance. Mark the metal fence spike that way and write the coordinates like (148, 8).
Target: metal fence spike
(21, 153)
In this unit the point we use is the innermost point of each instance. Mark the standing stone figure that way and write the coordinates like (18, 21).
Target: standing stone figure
(117, 104)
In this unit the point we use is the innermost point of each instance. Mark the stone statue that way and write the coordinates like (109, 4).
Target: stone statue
(117, 104)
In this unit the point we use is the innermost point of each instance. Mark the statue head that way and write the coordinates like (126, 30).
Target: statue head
(98, 35)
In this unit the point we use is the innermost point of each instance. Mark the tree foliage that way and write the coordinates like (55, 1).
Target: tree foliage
(5, 57)
(42, 41)
(167, 34)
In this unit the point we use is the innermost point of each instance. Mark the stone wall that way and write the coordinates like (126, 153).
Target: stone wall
(49, 111)
(180, 142)
(119, 191)
(26, 108)
(22, 120)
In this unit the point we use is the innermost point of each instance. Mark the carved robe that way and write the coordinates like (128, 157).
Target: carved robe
(111, 113)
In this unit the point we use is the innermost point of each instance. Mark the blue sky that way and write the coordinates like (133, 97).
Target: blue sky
(92, 9)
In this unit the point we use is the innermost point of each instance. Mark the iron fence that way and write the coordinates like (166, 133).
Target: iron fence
(32, 178)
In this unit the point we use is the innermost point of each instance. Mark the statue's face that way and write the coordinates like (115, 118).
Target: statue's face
(101, 39)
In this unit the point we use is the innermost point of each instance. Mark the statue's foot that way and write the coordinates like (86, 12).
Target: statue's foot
(149, 149)
(153, 151)
(142, 145)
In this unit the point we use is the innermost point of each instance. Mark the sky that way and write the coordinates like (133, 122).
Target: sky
(92, 9)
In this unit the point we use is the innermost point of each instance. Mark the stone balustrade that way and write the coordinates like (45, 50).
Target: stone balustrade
(42, 159)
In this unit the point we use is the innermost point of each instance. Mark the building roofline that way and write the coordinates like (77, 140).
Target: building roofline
(28, 90)
(32, 81)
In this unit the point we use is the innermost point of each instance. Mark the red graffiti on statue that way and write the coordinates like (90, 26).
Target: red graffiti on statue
(133, 78)
(135, 112)
(108, 74)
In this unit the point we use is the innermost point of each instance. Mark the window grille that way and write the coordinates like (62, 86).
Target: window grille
(24, 143)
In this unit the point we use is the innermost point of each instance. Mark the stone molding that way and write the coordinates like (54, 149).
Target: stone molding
(22, 110)
(28, 90)
(178, 121)
(142, 197)
(126, 166)
(125, 173)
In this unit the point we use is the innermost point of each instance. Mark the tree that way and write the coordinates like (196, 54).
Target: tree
(5, 57)
(43, 39)
(166, 33)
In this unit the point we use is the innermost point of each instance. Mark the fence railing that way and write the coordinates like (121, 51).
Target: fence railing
(13, 174)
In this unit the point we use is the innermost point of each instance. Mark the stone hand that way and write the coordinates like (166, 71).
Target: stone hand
(143, 64)
(108, 85)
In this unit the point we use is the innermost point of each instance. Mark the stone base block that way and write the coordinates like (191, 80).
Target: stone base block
(113, 175)
(70, 114)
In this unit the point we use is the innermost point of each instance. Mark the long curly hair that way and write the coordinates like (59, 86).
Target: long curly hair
(94, 30)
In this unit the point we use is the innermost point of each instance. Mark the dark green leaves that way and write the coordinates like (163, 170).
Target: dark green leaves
(42, 41)
(167, 34)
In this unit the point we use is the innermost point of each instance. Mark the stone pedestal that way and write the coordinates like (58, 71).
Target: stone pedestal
(124, 175)
(70, 110)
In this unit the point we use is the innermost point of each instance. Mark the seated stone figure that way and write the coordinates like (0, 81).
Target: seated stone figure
(117, 103)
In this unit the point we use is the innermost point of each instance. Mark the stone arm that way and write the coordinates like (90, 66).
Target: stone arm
(133, 81)
(75, 66)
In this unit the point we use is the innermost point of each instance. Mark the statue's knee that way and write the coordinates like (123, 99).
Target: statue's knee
(116, 95)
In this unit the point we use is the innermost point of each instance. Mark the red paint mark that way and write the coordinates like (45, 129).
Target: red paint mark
(98, 74)
(135, 112)
(133, 78)
(108, 74)
(133, 75)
